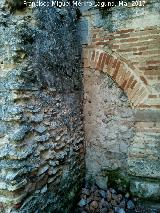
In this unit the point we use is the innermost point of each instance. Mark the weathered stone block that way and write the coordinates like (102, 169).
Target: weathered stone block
(146, 189)
(19, 133)
(42, 138)
(147, 115)
(2, 129)
(144, 168)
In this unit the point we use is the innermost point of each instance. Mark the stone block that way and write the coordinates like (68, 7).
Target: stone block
(37, 118)
(40, 129)
(101, 181)
(19, 133)
(147, 116)
(145, 188)
(144, 167)
(42, 138)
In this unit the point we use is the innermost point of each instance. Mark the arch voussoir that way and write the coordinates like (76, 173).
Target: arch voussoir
(126, 77)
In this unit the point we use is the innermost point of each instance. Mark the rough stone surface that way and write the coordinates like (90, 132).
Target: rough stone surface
(146, 188)
(41, 128)
(109, 126)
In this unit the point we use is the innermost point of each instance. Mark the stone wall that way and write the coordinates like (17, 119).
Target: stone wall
(109, 127)
(41, 128)
(123, 47)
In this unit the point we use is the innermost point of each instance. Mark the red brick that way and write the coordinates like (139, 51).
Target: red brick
(133, 84)
(107, 59)
(110, 69)
(116, 69)
(114, 46)
(152, 62)
(103, 61)
(114, 63)
(102, 43)
(108, 38)
(149, 106)
(152, 96)
(123, 84)
(93, 55)
(137, 53)
(150, 68)
(143, 48)
(143, 79)
(152, 72)
(122, 36)
(125, 31)
(153, 67)
(130, 81)
(129, 40)
(121, 74)
(99, 60)
(144, 106)
(98, 39)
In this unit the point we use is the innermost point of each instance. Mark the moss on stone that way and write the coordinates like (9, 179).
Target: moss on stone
(118, 178)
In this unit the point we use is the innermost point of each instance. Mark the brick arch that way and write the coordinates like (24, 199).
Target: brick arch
(120, 71)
